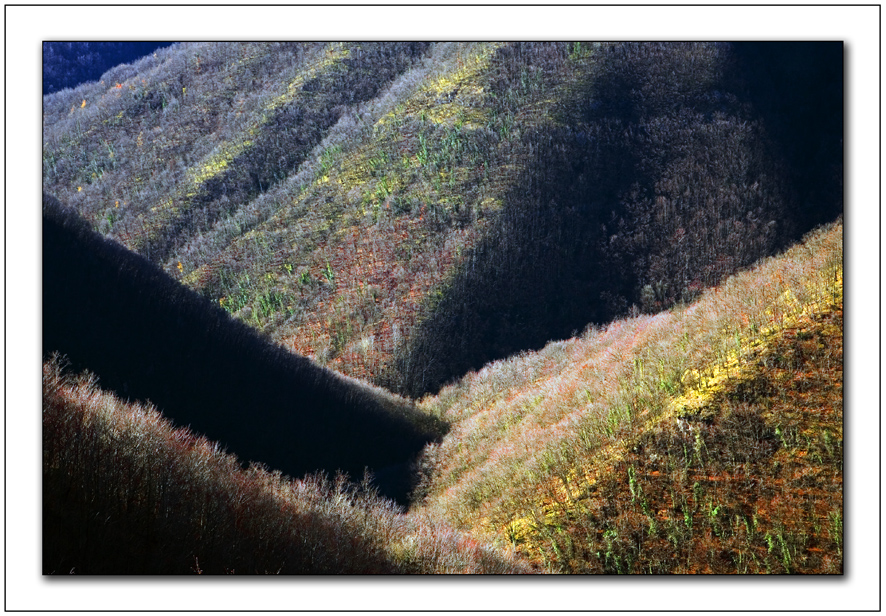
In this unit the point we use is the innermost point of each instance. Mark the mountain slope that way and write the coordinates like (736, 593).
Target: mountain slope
(589, 453)
(405, 213)
(266, 240)
(127, 493)
(149, 338)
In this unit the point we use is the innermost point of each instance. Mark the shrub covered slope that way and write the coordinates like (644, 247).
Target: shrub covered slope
(707, 438)
(148, 337)
(703, 439)
(127, 493)
(406, 212)
(265, 240)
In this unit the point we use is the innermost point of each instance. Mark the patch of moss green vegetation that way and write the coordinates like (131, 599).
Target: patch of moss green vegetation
(435, 158)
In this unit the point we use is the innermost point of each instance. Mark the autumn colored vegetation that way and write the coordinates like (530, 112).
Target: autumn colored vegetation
(707, 438)
(406, 212)
(126, 492)
(150, 338)
(531, 287)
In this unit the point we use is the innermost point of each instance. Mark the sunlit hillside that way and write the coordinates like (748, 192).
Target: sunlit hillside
(707, 438)
(434, 307)
(407, 212)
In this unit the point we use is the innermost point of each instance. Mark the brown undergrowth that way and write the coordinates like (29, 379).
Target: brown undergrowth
(407, 212)
(707, 438)
(753, 484)
(127, 492)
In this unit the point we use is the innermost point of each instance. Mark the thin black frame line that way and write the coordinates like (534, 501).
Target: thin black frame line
(880, 355)
(492, 611)
(533, 5)
(465, 611)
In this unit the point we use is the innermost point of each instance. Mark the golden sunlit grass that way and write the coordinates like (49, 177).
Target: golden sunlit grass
(704, 439)
(364, 222)
(754, 485)
(465, 82)
(532, 434)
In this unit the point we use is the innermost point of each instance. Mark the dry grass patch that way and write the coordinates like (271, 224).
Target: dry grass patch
(126, 492)
(531, 435)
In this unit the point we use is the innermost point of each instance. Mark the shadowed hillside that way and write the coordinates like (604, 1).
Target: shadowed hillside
(560, 254)
(149, 338)
(674, 167)
(126, 492)
(406, 212)
(797, 89)
(705, 438)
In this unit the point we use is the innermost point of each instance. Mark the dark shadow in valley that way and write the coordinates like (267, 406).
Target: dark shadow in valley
(664, 183)
(797, 89)
(147, 337)
(540, 273)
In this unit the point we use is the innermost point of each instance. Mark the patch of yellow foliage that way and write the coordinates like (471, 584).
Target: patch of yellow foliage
(460, 84)
(701, 387)
(335, 52)
(218, 161)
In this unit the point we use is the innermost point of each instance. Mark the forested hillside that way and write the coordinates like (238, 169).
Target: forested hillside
(406, 212)
(148, 337)
(564, 307)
